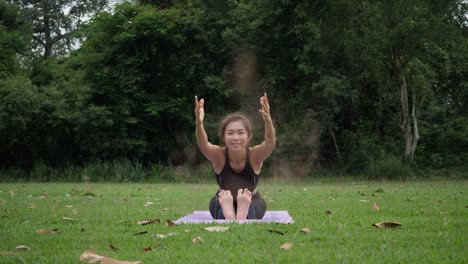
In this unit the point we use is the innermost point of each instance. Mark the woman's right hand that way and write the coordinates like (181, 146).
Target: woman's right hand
(199, 110)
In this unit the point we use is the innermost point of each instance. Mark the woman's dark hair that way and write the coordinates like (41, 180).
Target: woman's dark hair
(233, 118)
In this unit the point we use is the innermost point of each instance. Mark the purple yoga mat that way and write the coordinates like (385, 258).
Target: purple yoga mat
(204, 217)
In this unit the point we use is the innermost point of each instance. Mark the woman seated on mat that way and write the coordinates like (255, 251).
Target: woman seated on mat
(237, 166)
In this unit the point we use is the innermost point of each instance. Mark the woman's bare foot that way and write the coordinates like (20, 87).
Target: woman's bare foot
(227, 204)
(244, 198)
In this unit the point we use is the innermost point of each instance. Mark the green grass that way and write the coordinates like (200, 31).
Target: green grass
(434, 215)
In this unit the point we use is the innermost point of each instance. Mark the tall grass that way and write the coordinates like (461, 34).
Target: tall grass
(110, 171)
(388, 167)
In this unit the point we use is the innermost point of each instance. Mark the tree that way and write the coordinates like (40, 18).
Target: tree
(13, 39)
(54, 23)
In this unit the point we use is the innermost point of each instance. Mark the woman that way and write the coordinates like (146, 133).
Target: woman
(237, 166)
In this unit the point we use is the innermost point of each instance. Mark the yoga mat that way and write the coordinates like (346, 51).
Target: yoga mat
(204, 217)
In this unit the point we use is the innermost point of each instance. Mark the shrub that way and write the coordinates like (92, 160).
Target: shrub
(388, 167)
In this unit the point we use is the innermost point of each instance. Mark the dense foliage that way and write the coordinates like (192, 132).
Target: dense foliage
(354, 85)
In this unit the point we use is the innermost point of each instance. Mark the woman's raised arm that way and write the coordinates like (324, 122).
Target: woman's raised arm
(210, 151)
(263, 151)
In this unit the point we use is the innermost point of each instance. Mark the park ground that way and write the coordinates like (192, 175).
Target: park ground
(333, 223)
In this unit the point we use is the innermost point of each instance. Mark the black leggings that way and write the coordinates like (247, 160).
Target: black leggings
(257, 207)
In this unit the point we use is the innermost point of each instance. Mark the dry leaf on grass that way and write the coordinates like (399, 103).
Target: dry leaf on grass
(305, 230)
(376, 207)
(217, 229)
(68, 206)
(286, 246)
(387, 224)
(48, 231)
(164, 236)
(149, 221)
(141, 233)
(148, 204)
(92, 257)
(364, 201)
(170, 223)
(277, 232)
(22, 247)
(112, 247)
(197, 240)
(8, 253)
(45, 195)
(147, 249)
(68, 218)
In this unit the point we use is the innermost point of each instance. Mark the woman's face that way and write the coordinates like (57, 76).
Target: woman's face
(236, 136)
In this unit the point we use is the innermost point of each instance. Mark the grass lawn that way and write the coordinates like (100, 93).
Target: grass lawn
(434, 215)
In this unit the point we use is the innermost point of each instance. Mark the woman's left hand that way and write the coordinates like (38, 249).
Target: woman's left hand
(265, 108)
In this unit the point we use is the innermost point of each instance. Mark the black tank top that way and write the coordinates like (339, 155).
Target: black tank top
(230, 180)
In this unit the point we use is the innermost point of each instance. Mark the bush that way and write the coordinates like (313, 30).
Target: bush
(388, 167)
(115, 171)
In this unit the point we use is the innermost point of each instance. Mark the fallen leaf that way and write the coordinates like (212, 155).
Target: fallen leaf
(45, 195)
(141, 233)
(170, 223)
(188, 230)
(147, 249)
(8, 253)
(12, 194)
(364, 201)
(376, 207)
(48, 231)
(197, 240)
(164, 236)
(68, 218)
(148, 204)
(147, 222)
(92, 257)
(286, 246)
(305, 230)
(165, 209)
(277, 232)
(387, 224)
(112, 247)
(328, 212)
(32, 206)
(69, 206)
(22, 247)
(217, 229)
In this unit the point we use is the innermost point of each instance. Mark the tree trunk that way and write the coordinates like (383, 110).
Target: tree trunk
(409, 126)
(47, 37)
(336, 145)
(415, 127)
